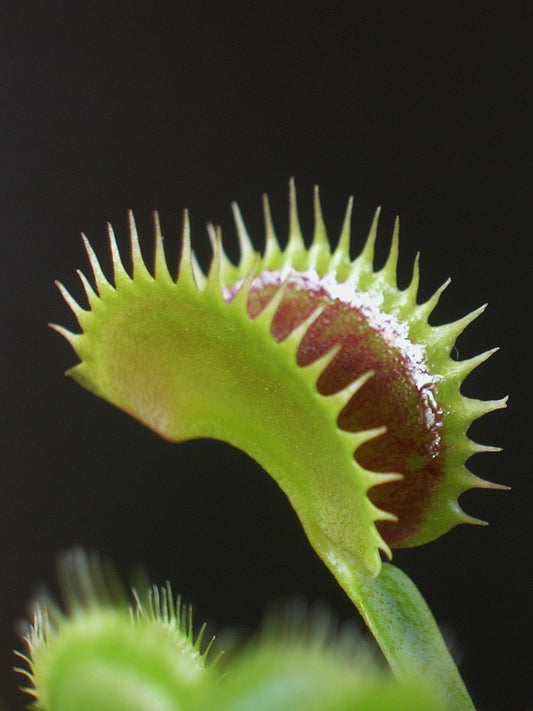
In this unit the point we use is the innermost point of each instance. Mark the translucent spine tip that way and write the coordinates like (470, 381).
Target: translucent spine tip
(459, 370)
(69, 336)
(423, 311)
(214, 276)
(340, 261)
(160, 263)
(71, 302)
(410, 294)
(447, 334)
(189, 273)
(319, 252)
(78, 312)
(137, 261)
(363, 266)
(120, 276)
(90, 293)
(100, 279)
(247, 252)
(272, 248)
(295, 249)
(229, 270)
(388, 273)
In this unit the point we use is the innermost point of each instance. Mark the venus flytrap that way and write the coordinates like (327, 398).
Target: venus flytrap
(103, 655)
(325, 372)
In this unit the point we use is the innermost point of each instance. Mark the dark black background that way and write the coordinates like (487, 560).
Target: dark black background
(109, 106)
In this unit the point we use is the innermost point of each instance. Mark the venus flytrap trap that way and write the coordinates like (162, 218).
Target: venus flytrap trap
(106, 655)
(327, 374)
(103, 654)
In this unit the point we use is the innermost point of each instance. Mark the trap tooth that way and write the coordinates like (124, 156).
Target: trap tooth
(342, 397)
(247, 251)
(229, 270)
(424, 310)
(90, 293)
(100, 279)
(187, 271)
(161, 270)
(120, 275)
(272, 247)
(295, 245)
(71, 302)
(389, 270)
(340, 264)
(138, 265)
(447, 334)
(363, 264)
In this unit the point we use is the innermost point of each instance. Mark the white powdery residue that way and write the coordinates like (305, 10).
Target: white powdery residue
(394, 332)
(369, 304)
